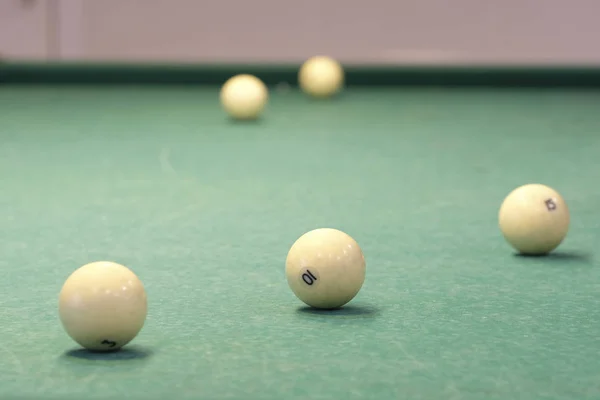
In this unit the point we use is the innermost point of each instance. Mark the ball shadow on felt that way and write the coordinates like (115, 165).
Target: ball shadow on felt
(123, 354)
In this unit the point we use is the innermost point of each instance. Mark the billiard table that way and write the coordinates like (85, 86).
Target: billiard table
(139, 165)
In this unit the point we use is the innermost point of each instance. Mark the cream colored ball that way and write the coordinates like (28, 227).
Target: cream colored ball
(244, 97)
(534, 219)
(321, 77)
(103, 306)
(325, 268)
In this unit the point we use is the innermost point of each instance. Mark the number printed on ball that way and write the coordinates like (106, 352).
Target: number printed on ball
(309, 277)
(109, 343)
(550, 204)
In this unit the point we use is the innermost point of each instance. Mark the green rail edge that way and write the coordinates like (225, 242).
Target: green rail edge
(215, 74)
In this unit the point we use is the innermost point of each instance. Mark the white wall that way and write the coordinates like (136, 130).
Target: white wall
(379, 31)
(25, 29)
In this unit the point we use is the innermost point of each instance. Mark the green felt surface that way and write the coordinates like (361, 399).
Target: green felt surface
(204, 211)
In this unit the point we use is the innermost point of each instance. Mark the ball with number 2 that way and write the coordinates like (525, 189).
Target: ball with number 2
(325, 268)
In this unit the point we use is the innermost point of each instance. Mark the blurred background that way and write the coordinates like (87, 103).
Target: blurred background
(565, 32)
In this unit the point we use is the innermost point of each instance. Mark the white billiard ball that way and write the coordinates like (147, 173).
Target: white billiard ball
(244, 97)
(325, 268)
(321, 77)
(534, 219)
(103, 306)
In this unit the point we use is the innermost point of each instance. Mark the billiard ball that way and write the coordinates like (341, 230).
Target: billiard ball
(534, 219)
(244, 97)
(325, 268)
(321, 77)
(102, 306)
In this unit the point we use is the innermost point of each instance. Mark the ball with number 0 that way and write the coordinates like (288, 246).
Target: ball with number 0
(325, 268)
